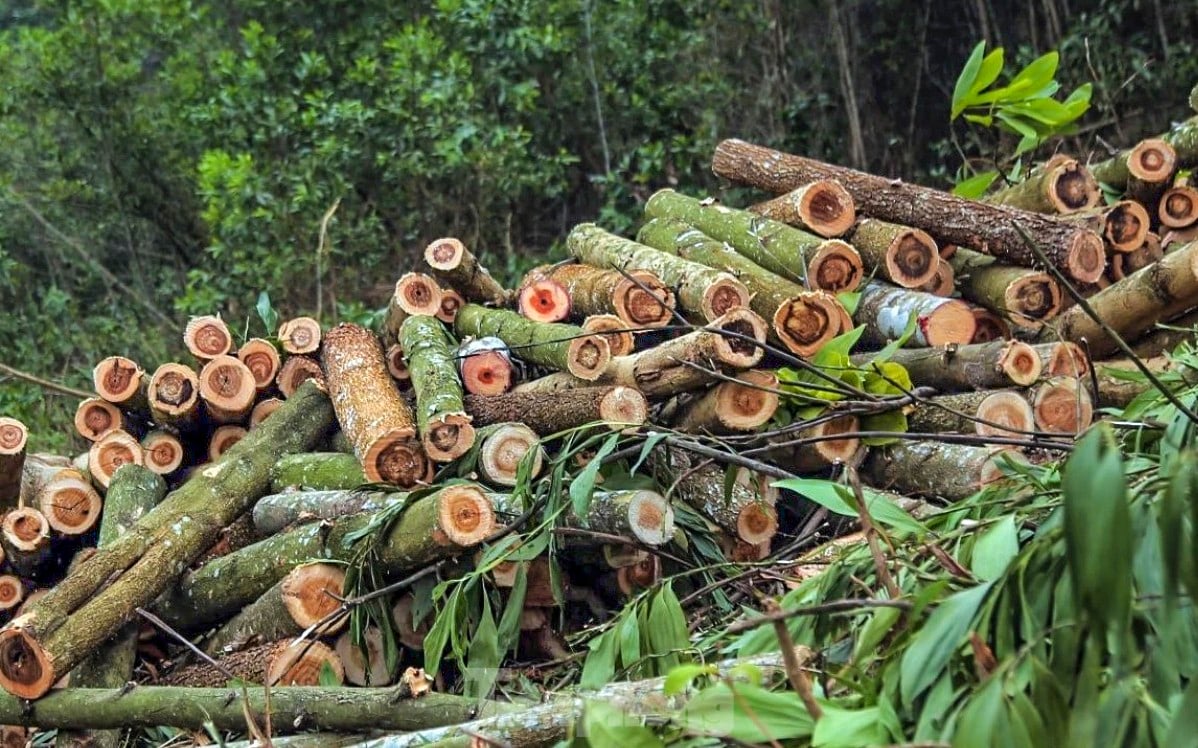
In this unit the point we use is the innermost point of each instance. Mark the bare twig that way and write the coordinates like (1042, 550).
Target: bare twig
(871, 537)
(45, 384)
(834, 606)
(794, 669)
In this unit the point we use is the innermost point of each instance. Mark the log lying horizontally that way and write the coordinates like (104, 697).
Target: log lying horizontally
(557, 346)
(457, 267)
(744, 404)
(543, 299)
(279, 663)
(228, 389)
(1027, 297)
(743, 512)
(987, 413)
(961, 368)
(620, 340)
(1124, 224)
(886, 310)
(300, 335)
(502, 448)
(317, 471)
(618, 406)
(1062, 185)
(261, 358)
(822, 207)
(174, 395)
(207, 337)
(949, 219)
(931, 468)
(122, 382)
(485, 365)
(904, 256)
(95, 417)
(280, 511)
(641, 299)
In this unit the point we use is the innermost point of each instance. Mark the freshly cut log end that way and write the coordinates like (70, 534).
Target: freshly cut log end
(457, 267)
(485, 366)
(612, 329)
(207, 337)
(885, 312)
(369, 669)
(112, 450)
(397, 365)
(464, 515)
(831, 450)
(25, 669)
(757, 523)
(396, 457)
(988, 326)
(12, 592)
(912, 258)
(1178, 207)
(70, 504)
(448, 437)
(263, 409)
(1005, 414)
(417, 293)
(543, 299)
(295, 371)
(639, 576)
(1063, 359)
(261, 358)
(1152, 160)
(446, 253)
(118, 380)
(502, 450)
(1020, 363)
(299, 335)
(25, 529)
(826, 208)
(1086, 259)
(223, 438)
(228, 388)
(741, 333)
(723, 296)
(1071, 187)
(301, 664)
(311, 592)
(163, 452)
(1124, 264)
(835, 266)
(623, 406)
(13, 437)
(1062, 406)
(642, 300)
(95, 417)
(743, 405)
(174, 394)
(586, 358)
(1126, 226)
(943, 281)
(650, 517)
(1032, 299)
(451, 302)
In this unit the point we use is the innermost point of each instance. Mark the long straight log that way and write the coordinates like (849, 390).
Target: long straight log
(769, 244)
(99, 595)
(555, 345)
(822, 207)
(543, 299)
(301, 599)
(639, 298)
(986, 413)
(949, 219)
(904, 256)
(370, 410)
(280, 663)
(620, 340)
(619, 406)
(741, 512)
(441, 417)
(886, 310)
(931, 468)
(796, 318)
(317, 471)
(277, 512)
(1148, 159)
(1061, 186)
(1133, 305)
(962, 368)
(1027, 297)
(702, 292)
(455, 266)
(13, 438)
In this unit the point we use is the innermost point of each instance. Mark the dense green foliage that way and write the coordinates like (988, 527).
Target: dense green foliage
(160, 158)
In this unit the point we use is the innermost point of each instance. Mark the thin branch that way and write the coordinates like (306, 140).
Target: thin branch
(45, 384)
(834, 606)
(794, 669)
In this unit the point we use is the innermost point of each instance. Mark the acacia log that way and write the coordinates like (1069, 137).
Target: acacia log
(1062, 405)
(1168, 336)
(112, 450)
(886, 310)
(1062, 359)
(614, 330)
(25, 538)
(1148, 159)
(543, 299)
(174, 395)
(95, 417)
(295, 371)
(744, 404)
(299, 335)
(943, 282)
(261, 358)
(163, 451)
(961, 368)
(228, 389)
(502, 447)
(1124, 264)
(990, 326)
(826, 444)
(617, 406)
(1118, 392)
(643, 515)
(904, 256)
(457, 267)
(317, 471)
(639, 298)
(415, 293)
(1061, 186)
(485, 366)
(947, 218)
(263, 410)
(987, 413)
(301, 599)
(451, 302)
(122, 382)
(950, 471)
(207, 337)
(1124, 224)
(743, 512)
(1027, 297)
(554, 345)
(822, 207)
(13, 438)
(62, 493)
(279, 511)
(1178, 207)
(367, 668)
(441, 418)
(280, 663)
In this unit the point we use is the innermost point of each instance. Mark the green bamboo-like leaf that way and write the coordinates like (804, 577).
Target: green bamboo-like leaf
(837, 498)
(746, 713)
(509, 622)
(680, 678)
(891, 421)
(966, 79)
(600, 665)
(938, 640)
(630, 645)
(849, 728)
(604, 726)
(975, 186)
(583, 484)
(482, 663)
(994, 548)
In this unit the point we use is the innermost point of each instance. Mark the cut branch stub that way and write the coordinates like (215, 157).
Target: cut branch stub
(13, 438)
(886, 310)
(745, 404)
(228, 389)
(261, 358)
(174, 395)
(295, 371)
(112, 450)
(902, 255)
(555, 345)
(822, 207)
(485, 365)
(207, 337)
(457, 267)
(163, 451)
(95, 417)
(120, 381)
(299, 335)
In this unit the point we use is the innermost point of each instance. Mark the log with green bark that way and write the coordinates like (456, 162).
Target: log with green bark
(830, 442)
(702, 292)
(1062, 185)
(1027, 297)
(962, 368)
(645, 516)
(1124, 264)
(932, 468)
(371, 411)
(100, 594)
(542, 299)
(744, 403)
(133, 493)
(619, 406)
(620, 340)
(436, 526)
(822, 207)
(904, 256)
(317, 471)
(280, 511)
(441, 418)
(992, 229)
(886, 311)
(1150, 160)
(1005, 413)
(557, 346)
(457, 267)
(639, 297)
(13, 438)
(742, 511)
(801, 325)
(1131, 307)
(773, 245)
(731, 343)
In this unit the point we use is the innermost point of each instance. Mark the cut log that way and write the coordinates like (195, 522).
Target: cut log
(1124, 225)
(947, 218)
(13, 438)
(25, 538)
(731, 406)
(904, 256)
(963, 368)
(397, 366)
(612, 329)
(1117, 392)
(122, 382)
(299, 335)
(411, 632)
(1175, 238)
(771, 245)
(440, 525)
(557, 346)
(95, 417)
(485, 366)
(457, 267)
(280, 511)
(1178, 207)
(302, 599)
(742, 512)
(639, 298)
(542, 299)
(822, 207)
(1062, 406)
(640, 576)
(1124, 264)
(415, 293)
(441, 418)
(364, 669)
(702, 292)
(1133, 305)
(207, 337)
(370, 410)
(989, 326)
(1061, 186)
(112, 450)
(1063, 359)
(100, 594)
(228, 390)
(70, 503)
(174, 394)
(801, 322)
(1167, 337)
(618, 407)
(831, 442)
(295, 371)
(451, 302)
(943, 282)
(163, 451)
(503, 447)
(263, 410)
(1026, 297)
(275, 664)
(886, 310)
(12, 592)
(261, 358)
(317, 471)
(986, 413)
(731, 343)
(223, 439)
(936, 469)
(1150, 160)
(645, 516)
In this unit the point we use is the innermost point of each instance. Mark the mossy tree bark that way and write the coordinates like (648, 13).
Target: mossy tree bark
(931, 468)
(1027, 297)
(1060, 186)
(317, 471)
(961, 368)
(987, 413)
(456, 266)
(441, 417)
(280, 511)
(280, 663)
(555, 345)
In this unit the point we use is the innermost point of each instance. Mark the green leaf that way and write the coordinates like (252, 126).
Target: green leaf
(267, 313)
(746, 713)
(994, 548)
(849, 300)
(1185, 719)
(966, 79)
(327, 676)
(482, 663)
(583, 484)
(680, 678)
(884, 355)
(667, 628)
(938, 640)
(893, 421)
(849, 728)
(630, 644)
(837, 498)
(837, 350)
(509, 622)
(975, 186)
(600, 665)
(1038, 73)
(983, 719)
(605, 726)
(650, 443)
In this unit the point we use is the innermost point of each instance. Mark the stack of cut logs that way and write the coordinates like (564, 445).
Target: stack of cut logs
(231, 499)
